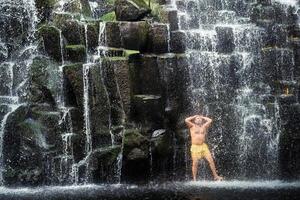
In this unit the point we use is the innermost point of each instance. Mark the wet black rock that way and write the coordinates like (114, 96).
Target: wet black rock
(131, 10)
(103, 164)
(225, 39)
(178, 41)
(36, 133)
(44, 8)
(73, 32)
(74, 85)
(128, 35)
(76, 53)
(135, 156)
(159, 39)
(52, 41)
(134, 35)
(99, 105)
(148, 110)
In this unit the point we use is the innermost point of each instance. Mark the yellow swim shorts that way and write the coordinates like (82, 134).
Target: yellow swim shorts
(199, 151)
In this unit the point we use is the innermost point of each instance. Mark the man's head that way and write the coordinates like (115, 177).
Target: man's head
(198, 120)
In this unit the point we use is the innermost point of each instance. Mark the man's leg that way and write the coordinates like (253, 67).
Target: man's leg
(195, 168)
(212, 166)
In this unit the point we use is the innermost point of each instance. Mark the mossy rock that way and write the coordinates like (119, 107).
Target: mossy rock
(24, 150)
(44, 84)
(102, 164)
(133, 138)
(74, 85)
(134, 35)
(92, 35)
(51, 39)
(85, 8)
(60, 18)
(73, 31)
(131, 10)
(76, 53)
(106, 155)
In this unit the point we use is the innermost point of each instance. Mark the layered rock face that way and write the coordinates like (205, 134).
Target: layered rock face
(244, 67)
(97, 91)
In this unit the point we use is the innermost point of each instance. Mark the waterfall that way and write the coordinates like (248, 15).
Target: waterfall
(87, 123)
(2, 129)
(120, 158)
(226, 84)
(18, 56)
(86, 42)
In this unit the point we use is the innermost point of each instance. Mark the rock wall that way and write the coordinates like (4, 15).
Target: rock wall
(108, 93)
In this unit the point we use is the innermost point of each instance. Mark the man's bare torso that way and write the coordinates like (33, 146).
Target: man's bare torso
(198, 134)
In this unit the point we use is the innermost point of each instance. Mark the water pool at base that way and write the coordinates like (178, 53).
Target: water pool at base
(200, 190)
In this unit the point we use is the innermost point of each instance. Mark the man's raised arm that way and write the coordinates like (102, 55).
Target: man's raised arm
(208, 121)
(189, 121)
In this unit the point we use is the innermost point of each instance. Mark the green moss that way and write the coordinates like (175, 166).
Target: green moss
(111, 2)
(115, 58)
(107, 154)
(86, 9)
(127, 53)
(78, 47)
(48, 29)
(156, 8)
(133, 138)
(111, 16)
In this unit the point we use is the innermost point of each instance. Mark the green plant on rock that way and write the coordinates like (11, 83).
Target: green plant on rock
(155, 7)
(111, 16)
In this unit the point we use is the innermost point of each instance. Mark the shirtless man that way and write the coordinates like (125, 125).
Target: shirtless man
(198, 126)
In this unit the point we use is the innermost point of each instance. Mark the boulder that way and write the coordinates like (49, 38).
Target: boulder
(131, 10)
(103, 164)
(135, 160)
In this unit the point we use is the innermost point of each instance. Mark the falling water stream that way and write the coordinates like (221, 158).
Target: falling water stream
(229, 79)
